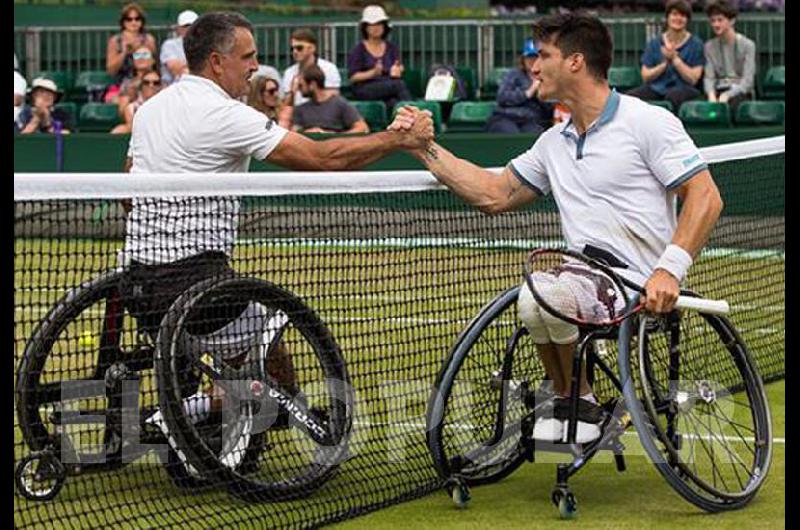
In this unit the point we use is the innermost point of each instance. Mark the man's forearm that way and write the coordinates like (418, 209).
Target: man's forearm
(479, 187)
(357, 152)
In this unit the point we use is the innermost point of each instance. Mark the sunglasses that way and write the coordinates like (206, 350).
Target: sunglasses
(132, 19)
(149, 82)
(298, 47)
(270, 91)
(142, 55)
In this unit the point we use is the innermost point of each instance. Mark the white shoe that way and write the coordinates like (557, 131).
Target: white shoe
(586, 432)
(548, 429)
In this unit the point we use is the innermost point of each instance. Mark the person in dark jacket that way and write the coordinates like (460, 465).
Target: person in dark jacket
(518, 109)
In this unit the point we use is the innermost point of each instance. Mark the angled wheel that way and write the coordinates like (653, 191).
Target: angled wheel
(482, 393)
(263, 451)
(699, 407)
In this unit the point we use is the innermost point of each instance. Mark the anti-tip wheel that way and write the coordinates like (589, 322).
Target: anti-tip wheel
(40, 476)
(568, 506)
(459, 492)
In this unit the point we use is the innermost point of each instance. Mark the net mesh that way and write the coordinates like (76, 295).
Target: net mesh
(393, 266)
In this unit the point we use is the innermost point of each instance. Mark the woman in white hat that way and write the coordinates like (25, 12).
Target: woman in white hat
(374, 64)
(40, 115)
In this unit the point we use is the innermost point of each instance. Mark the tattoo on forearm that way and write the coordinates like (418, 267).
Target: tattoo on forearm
(431, 153)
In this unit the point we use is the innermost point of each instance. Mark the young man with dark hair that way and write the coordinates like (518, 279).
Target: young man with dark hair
(672, 63)
(326, 112)
(304, 52)
(730, 57)
(614, 169)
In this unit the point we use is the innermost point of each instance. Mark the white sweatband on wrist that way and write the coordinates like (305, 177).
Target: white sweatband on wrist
(675, 261)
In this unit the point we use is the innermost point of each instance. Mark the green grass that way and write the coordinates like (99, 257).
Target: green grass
(637, 498)
(395, 313)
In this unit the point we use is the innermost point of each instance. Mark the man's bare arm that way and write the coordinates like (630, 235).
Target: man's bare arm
(701, 208)
(699, 213)
(336, 154)
(489, 192)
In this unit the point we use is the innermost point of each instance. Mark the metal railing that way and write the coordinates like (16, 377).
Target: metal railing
(478, 44)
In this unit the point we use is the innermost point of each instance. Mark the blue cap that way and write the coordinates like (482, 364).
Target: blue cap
(529, 49)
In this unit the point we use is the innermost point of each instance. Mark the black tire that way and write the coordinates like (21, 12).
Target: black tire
(32, 392)
(266, 476)
(79, 306)
(493, 344)
(701, 414)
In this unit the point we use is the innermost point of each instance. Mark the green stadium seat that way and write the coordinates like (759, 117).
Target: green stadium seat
(705, 113)
(662, 103)
(492, 85)
(346, 90)
(623, 78)
(98, 117)
(70, 110)
(421, 104)
(470, 116)
(374, 112)
(414, 79)
(64, 80)
(761, 112)
(774, 84)
(470, 78)
(89, 81)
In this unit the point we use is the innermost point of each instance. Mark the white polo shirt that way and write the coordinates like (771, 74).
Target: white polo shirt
(332, 79)
(192, 127)
(614, 184)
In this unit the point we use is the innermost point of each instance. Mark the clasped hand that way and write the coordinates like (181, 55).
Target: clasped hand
(416, 125)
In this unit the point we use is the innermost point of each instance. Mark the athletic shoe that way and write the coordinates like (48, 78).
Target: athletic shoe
(548, 428)
(590, 416)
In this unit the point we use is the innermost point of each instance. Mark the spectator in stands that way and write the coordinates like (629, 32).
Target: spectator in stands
(149, 86)
(518, 109)
(40, 116)
(173, 59)
(672, 63)
(143, 63)
(730, 58)
(122, 46)
(304, 52)
(326, 111)
(374, 64)
(264, 96)
(20, 89)
(265, 70)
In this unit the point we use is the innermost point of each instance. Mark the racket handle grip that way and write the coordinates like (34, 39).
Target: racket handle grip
(703, 305)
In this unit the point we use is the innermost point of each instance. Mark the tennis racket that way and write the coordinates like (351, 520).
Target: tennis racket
(585, 292)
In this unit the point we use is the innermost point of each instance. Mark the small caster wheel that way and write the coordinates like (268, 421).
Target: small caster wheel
(459, 492)
(567, 506)
(40, 476)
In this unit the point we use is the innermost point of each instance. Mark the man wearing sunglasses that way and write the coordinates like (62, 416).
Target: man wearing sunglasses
(304, 53)
(173, 59)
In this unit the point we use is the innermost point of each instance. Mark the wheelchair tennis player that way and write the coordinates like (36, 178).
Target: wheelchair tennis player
(614, 169)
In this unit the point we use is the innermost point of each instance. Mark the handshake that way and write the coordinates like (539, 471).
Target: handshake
(415, 127)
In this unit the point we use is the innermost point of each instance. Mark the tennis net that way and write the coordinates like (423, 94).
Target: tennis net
(392, 263)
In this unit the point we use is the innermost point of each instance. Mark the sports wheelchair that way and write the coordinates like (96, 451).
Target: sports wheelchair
(87, 367)
(685, 382)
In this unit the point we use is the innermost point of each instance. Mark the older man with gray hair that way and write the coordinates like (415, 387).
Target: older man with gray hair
(199, 126)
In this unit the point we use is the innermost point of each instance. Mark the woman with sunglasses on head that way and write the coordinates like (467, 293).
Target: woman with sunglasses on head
(149, 86)
(143, 63)
(121, 47)
(264, 97)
